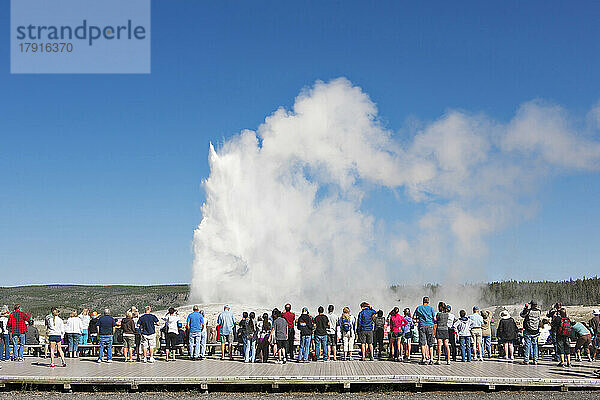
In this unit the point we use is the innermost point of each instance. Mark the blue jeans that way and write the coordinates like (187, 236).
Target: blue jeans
(5, 347)
(203, 344)
(194, 344)
(487, 346)
(531, 347)
(18, 340)
(304, 348)
(321, 343)
(465, 347)
(73, 342)
(244, 343)
(83, 339)
(250, 349)
(105, 341)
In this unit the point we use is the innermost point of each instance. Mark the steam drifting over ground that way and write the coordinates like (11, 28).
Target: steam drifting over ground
(284, 218)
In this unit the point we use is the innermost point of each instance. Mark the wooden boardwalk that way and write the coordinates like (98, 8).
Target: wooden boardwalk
(489, 374)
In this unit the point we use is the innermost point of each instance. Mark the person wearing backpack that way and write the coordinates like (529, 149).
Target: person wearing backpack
(347, 324)
(531, 315)
(250, 336)
(562, 327)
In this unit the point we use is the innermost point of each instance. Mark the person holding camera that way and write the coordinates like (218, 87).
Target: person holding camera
(531, 331)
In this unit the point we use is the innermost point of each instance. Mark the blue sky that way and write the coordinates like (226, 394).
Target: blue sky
(101, 173)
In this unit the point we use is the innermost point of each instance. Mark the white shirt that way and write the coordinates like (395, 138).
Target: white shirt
(74, 325)
(451, 319)
(56, 327)
(85, 321)
(171, 321)
(4, 321)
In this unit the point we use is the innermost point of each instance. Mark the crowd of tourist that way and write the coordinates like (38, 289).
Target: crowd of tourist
(439, 335)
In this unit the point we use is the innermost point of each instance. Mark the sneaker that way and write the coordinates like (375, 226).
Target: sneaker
(53, 365)
(167, 359)
(447, 362)
(109, 361)
(513, 358)
(151, 360)
(144, 360)
(560, 364)
(99, 360)
(524, 363)
(437, 362)
(64, 364)
(430, 362)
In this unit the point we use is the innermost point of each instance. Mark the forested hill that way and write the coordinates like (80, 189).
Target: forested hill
(37, 300)
(573, 292)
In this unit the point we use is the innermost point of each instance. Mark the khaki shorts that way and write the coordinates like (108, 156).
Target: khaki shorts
(149, 341)
(227, 338)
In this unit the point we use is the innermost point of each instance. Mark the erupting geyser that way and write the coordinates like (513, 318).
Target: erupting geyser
(284, 220)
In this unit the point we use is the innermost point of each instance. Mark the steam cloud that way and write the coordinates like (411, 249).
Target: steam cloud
(284, 217)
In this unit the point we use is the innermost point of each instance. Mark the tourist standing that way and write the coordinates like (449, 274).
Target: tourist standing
(554, 315)
(332, 333)
(251, 333)
(56, 330)
(17, 323)
(129, 330)
(5, 335)
(563, 326)
(226, 323)
(321, 325)
(172, 331)
(594, 325)
(290, 318)
(476, 333)
(379, 335)
(442, 333)
(85, 325)
(451, 331)
(73, 329)
(507, 334)
(106, 326)
(486, 333)
(397, 324)
(365, 329)
(407, 331)
(264, 335)
(147, 324)
(463, 328)
(195, 325)
(305, 327)
(347, 324)
(531, 315)
(280, 330)
(426, 316)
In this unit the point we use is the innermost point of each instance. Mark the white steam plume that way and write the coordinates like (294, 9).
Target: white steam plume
(283, 218)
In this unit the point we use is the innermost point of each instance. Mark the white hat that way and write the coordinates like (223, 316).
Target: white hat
(595, 311)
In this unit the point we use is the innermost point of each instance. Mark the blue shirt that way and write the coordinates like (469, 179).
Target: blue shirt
(226, 322)
(105, 325)
(195, 320)
(147, 323)
(477, 320)
(426, 314)
(365, 319)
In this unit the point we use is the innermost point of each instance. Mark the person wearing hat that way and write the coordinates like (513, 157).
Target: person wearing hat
(451, 331)
(507, 334)
(531, 315)
(594, 325)
(305, 327)
(93, 331)
(477, 333)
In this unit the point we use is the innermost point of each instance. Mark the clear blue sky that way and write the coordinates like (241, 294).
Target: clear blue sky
(100, 174)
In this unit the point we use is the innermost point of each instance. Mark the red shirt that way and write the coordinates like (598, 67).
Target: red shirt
(397, 322)
(289, 317)
(16, 322)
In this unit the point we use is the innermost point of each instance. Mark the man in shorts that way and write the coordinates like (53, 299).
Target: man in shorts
(280, 329)
(226, 323)
(147, 324)
(426, 315)
(365, 329)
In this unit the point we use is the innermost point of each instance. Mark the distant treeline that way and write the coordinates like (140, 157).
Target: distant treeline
(573, 292)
